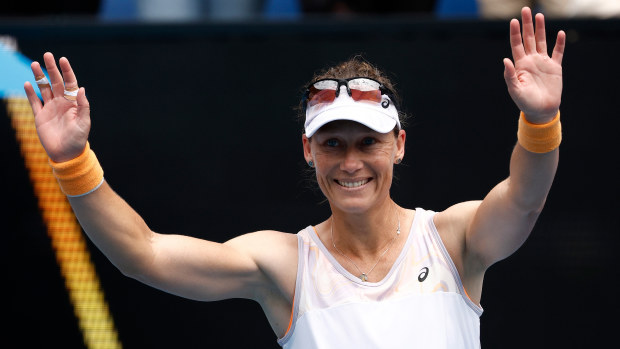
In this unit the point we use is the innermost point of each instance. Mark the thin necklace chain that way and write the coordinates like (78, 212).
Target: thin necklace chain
(364, 276)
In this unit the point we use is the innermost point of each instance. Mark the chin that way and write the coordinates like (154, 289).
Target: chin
(353, 205)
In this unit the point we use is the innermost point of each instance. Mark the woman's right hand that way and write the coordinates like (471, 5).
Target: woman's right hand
(62, 124)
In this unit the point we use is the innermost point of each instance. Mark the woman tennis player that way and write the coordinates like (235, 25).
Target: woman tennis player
(371, 275)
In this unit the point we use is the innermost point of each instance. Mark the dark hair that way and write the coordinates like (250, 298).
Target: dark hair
(354, 67)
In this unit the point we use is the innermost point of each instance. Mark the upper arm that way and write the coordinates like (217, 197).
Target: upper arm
(487, 231)
(184, 265)
(500, 225)
(206, 270)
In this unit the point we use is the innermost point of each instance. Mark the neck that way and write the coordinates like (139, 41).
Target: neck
(367, 233)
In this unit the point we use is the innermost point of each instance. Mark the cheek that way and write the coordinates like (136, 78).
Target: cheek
(321, 161)
(385, 156)
(323, 164)
(384, 164)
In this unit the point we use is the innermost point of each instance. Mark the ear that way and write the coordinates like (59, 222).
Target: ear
(400, 146)
(307, 149)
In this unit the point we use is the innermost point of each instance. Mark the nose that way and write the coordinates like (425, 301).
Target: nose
(351, 162)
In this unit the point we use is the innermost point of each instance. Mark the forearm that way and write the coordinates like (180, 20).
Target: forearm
(531, 176)
(534, 161)
(115, 228)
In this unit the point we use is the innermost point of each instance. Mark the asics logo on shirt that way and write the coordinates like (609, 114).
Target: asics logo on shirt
(423, 274)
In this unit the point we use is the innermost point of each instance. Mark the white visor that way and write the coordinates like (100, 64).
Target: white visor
(370, 114)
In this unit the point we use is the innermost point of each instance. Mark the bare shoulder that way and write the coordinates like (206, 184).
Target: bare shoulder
(266, 244)
(275, 253)
(456, 219)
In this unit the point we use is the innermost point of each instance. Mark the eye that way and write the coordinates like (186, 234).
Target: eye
(332, 142)
(369, 141)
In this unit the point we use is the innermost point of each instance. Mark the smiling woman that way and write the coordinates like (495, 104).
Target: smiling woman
(372, 274)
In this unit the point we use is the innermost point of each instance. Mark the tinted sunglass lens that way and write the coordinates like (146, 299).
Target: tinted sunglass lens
(320, 96)
(363, 89)
(372, 96)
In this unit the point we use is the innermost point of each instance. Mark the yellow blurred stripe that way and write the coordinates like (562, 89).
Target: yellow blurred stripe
(72, 254)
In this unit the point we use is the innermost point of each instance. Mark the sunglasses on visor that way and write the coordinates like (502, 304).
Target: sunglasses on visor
(358, 88)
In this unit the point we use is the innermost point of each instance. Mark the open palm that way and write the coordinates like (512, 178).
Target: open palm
(62, 124)
(534, 80)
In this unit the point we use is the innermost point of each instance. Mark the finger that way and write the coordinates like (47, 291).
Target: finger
(516, 44)
(83, 108)
(35, 102)
(46, 89)
(541, 36)
(529, 41)
(71, 83)
(510, 74)
(558, 50)
(58, 86)
(82, 101)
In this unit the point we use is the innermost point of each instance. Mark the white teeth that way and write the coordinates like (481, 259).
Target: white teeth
(353, 184)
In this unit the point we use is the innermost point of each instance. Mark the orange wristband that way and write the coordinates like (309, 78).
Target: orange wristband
(541, 138)
(79, 176)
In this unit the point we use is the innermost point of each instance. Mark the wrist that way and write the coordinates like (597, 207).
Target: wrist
(79, 176)
(540, 119)
(540, 138)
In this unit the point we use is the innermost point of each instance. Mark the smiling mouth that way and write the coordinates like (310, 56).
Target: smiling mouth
(352, 184)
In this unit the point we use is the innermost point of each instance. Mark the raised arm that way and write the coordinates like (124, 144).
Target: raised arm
(181, 265)
(494, 228)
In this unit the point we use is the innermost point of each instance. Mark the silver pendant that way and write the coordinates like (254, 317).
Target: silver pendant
(364, 277)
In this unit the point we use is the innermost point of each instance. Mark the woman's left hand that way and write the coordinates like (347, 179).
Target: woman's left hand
(534, 80)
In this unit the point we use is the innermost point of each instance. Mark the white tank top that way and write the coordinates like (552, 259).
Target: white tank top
(421, 302)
